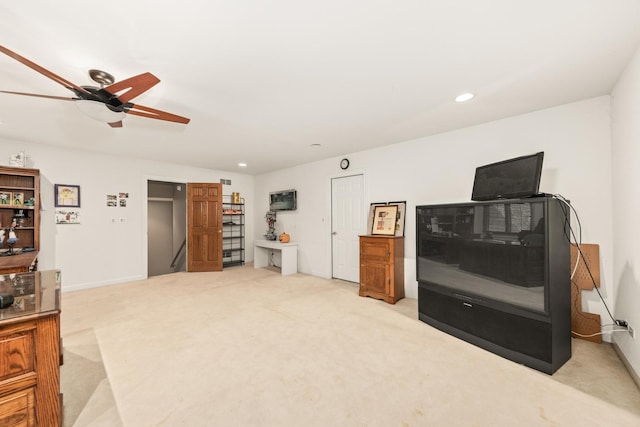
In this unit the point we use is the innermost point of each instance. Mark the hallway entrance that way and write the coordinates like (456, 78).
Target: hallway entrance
(166, 227)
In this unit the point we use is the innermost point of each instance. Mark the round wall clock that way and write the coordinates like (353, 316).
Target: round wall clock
(344, 163)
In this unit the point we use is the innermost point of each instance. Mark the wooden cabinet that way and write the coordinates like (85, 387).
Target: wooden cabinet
(382, 267)
(20, 206)
(30, 350)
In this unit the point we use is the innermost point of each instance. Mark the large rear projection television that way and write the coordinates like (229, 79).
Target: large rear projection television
(509, 179)
(496, 274)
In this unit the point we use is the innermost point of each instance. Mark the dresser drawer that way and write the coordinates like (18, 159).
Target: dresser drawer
(17, 356)
(18, 409)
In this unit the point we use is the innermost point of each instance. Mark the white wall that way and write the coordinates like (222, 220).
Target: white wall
(576, 139)
(97, 251)
(625, 108)
(440, 168)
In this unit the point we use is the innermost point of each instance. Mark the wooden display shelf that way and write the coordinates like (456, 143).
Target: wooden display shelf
(19, 263)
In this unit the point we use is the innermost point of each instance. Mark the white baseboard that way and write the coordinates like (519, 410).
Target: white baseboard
(82, 286)
(627, 364)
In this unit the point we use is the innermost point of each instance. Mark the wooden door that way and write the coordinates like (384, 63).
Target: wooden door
(204, 227)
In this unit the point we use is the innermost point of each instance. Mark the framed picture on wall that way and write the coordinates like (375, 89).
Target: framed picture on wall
(400, 217)
(65, 216)
(67, 196)
(384, 220)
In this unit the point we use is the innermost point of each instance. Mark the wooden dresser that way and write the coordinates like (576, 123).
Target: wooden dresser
(30, 350)
(382, 267)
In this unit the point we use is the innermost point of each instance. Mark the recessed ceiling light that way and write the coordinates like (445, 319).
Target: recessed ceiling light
(242, 165)
(464, 97)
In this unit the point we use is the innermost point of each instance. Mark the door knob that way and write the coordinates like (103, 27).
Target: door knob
(334, 233)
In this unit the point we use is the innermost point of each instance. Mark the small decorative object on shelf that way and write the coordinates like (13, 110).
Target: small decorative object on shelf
(11, 240)
(284, 238)
(18, 199)
(271, 225)
(6, 300)
(19, 218)
(18, 160)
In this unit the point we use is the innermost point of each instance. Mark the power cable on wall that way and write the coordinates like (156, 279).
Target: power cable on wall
(577, 242)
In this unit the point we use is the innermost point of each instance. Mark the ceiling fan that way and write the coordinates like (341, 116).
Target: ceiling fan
(110, 102)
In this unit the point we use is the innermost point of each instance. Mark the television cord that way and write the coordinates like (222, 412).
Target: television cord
(599, 333)
(273, 261)
(562, 199)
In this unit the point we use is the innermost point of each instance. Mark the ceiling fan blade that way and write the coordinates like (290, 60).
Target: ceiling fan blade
(135, 85)
(116, 124)
(62, 98)
(152, 113)
(43, 71)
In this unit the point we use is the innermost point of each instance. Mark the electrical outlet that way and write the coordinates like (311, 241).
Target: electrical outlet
(632, 332)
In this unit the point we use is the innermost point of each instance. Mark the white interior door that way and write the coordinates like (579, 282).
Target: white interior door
(348, 221)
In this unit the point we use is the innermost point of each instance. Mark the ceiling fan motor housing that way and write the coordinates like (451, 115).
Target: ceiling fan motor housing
(101, 95)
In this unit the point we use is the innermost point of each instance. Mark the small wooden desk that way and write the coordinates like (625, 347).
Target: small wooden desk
(289, 252)
(20, 263)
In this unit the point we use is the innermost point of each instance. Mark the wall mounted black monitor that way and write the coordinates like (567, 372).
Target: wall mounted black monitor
(509, 179)
(286, 200)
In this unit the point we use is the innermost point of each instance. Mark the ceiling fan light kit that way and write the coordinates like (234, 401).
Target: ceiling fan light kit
(108, 104)
(97, 111)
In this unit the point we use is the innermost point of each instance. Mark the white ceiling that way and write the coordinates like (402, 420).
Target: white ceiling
(263, 80)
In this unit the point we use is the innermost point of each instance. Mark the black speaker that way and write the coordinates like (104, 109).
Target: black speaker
(6, 300)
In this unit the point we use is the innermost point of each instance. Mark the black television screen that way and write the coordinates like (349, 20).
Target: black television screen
(508, 179)
(493, 251)
(286, 200)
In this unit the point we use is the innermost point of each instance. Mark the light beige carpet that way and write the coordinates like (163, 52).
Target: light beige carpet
(248, 347)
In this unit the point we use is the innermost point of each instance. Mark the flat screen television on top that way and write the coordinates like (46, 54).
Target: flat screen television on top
(509, 179)
(285, 200)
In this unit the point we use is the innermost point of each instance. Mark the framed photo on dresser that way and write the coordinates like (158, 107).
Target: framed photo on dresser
(372, 209)
(400, 217)
(384, 220)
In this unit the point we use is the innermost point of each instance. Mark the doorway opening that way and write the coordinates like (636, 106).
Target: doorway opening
(166, 227)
